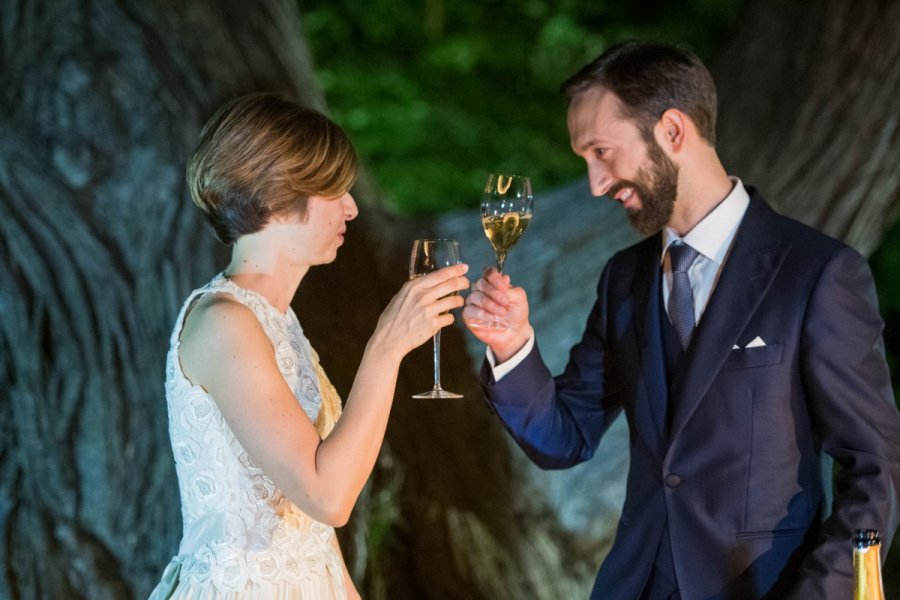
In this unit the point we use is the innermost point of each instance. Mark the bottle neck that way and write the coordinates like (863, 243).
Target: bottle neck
(867, 572)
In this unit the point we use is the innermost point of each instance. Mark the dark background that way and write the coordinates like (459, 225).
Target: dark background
(101, 102)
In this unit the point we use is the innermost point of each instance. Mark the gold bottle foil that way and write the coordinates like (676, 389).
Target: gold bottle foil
(867, 573)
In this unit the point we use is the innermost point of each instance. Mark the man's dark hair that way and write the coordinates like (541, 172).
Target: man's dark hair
(649, 79)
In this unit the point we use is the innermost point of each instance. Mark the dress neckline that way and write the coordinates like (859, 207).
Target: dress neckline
(254, 294)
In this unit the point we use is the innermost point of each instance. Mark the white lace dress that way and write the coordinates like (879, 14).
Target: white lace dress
(242, 537)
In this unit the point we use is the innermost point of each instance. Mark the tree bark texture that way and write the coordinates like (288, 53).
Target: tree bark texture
(810, 112)
(100, 105)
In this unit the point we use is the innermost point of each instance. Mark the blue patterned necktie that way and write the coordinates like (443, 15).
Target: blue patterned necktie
(681, 299)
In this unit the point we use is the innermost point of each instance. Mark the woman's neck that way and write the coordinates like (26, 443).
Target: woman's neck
(265, 270)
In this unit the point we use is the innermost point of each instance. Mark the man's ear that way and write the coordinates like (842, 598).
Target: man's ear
(671, 129)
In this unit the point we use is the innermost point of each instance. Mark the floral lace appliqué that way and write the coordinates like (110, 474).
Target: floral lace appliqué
(240, 531)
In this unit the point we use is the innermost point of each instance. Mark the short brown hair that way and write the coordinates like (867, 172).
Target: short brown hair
(259, 156)
(649, 79)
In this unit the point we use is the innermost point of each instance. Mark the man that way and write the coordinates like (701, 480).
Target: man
(740, 344)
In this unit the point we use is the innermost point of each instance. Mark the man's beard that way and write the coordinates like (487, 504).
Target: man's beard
(657, 187)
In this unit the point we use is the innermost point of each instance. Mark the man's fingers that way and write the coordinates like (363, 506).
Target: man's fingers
(488, 303)
(515, 295)
(495, 278)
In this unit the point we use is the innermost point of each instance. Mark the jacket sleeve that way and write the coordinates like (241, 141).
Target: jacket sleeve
(847, 386)
(559, 422)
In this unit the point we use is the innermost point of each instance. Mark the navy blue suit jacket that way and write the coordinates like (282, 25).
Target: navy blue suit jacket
(739, 473)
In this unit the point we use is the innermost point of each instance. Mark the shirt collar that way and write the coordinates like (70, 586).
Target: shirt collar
(712, 236)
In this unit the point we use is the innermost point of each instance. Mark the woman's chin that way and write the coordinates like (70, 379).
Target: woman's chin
(327, 260)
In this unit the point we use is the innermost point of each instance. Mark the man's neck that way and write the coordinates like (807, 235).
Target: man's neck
(698, 195)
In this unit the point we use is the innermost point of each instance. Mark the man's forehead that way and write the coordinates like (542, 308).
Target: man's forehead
(601, 102)
(594, 114)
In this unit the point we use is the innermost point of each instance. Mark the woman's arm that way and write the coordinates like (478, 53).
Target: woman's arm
(225, 351)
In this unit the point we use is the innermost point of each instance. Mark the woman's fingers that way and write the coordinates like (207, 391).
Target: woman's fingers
(433, 294)
(441, 283)
(443, 274)
(421, 308)
(447, 303)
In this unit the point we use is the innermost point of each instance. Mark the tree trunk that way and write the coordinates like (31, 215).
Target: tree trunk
(102, 103)
(100, 106)
(810, 112)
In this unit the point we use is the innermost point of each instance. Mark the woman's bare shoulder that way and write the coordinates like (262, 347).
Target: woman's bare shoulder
(217, 316)
(219, 330)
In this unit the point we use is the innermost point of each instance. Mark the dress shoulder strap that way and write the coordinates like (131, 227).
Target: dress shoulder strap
(215, 286)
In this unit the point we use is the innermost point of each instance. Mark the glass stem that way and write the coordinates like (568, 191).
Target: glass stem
(437, 360)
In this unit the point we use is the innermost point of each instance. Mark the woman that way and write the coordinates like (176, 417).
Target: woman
(265, 468)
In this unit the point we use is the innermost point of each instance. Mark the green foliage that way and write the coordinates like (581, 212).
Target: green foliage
(436, 94)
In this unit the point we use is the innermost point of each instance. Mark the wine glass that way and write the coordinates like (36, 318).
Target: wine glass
(428, 256)
(506, 207)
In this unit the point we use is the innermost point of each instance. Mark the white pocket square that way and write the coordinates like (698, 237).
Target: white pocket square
(756, 342)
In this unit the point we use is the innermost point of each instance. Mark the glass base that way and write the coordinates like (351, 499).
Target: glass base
(495, 324)
(437, 392)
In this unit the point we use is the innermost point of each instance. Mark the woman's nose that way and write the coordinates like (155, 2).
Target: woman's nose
(350, 208)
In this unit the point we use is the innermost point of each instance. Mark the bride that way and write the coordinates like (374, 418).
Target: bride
(267, 465)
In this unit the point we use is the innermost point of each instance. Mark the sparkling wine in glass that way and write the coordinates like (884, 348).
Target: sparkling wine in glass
(428, 256)
(506, 207)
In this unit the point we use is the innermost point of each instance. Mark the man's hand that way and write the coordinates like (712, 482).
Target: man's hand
(493, 297)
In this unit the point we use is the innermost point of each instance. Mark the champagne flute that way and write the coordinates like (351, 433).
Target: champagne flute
(506, 207)
(428, 256)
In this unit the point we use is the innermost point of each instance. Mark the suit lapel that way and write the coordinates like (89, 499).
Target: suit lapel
(754, 260)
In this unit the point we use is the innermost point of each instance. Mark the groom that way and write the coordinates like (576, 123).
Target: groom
(740, 344)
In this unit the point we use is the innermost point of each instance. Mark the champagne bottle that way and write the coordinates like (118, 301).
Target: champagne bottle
(867, 583)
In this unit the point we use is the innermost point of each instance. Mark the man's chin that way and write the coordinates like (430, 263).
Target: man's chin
(644, 225)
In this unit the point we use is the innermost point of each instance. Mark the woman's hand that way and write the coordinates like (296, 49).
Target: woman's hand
(419, 310)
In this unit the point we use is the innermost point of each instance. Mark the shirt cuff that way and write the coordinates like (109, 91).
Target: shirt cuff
(499, 371)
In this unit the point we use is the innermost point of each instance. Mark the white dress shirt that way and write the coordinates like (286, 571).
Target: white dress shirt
(711, 237)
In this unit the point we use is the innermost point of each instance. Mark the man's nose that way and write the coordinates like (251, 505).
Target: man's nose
(600, 179)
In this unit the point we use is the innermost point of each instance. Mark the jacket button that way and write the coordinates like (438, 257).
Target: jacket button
(673, 480)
